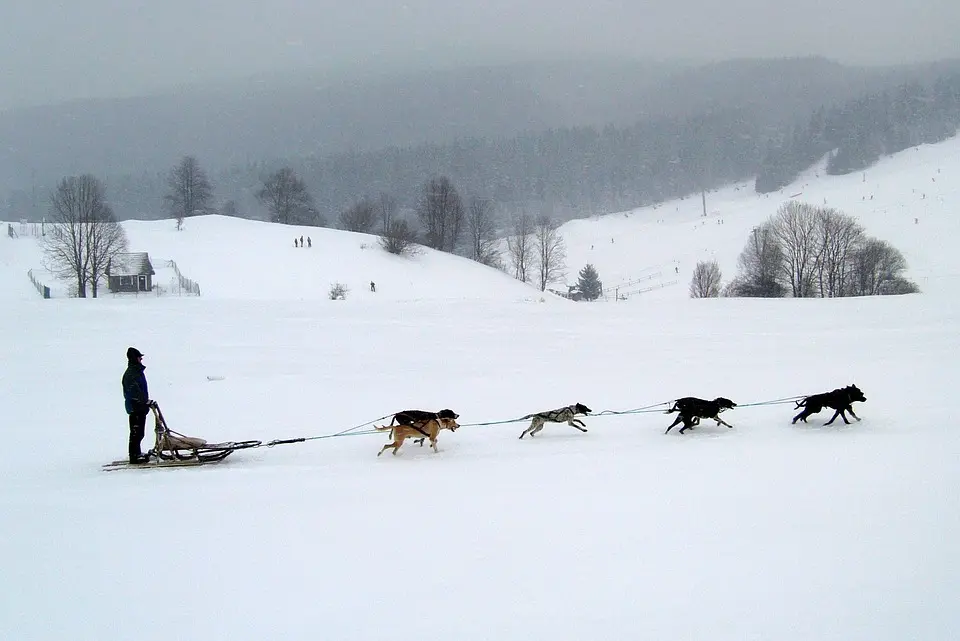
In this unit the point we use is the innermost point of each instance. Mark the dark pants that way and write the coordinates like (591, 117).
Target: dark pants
(138, 422)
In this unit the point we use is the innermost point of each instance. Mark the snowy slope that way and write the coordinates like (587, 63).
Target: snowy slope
(910, 199)
(232, 258)
(763, 531)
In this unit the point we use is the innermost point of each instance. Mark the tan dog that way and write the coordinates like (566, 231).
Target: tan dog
(426, 429)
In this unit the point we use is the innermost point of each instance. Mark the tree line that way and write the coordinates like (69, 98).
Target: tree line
(857, 133)
(571, 172)
(564, 172)
(806, 251)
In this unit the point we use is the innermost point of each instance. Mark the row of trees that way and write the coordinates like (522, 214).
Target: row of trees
(806, 251)
(536, 250)
(84, 235)
(283, 193)
(858, 132)
(571, 172)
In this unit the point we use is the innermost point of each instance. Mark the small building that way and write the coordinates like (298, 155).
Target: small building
(130, 273)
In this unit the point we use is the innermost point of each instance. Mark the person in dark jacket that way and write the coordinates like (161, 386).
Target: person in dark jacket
(136, 400)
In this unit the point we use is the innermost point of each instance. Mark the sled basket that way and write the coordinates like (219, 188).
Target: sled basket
(173, 446)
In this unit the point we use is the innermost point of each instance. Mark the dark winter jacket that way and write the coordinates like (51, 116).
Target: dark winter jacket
(135, 394)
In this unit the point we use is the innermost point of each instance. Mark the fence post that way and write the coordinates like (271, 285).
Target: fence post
(46, 292)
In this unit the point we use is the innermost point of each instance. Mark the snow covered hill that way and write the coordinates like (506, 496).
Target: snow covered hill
(910, 200)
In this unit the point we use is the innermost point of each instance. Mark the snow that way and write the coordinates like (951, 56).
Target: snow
(764, 531)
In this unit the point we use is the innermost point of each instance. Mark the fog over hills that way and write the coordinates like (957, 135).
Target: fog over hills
(268, 117)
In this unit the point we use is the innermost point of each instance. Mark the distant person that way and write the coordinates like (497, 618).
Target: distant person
(309, 242)
(295, 242)
(136, 401)
(301, 241)
(373, 286)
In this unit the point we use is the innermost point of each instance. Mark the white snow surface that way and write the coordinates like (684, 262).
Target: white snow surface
(764, 531)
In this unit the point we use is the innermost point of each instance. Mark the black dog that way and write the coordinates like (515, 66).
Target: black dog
(693, 409)
(840, 400)
(412, 417)
(416, 418)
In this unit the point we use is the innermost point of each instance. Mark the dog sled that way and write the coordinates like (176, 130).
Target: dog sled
(173, 449)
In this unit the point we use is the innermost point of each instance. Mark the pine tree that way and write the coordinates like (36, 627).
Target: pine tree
(589, 283)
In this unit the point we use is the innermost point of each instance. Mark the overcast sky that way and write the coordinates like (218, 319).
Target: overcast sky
(53, 51)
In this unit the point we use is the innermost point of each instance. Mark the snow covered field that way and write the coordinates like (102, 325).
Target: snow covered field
(764, 531)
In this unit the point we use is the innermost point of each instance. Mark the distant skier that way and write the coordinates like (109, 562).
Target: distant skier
(373, 286)
(309, 242)
(136, 401)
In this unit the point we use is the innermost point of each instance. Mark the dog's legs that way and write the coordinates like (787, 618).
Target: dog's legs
(720, 421)
(529, 430)
(835, 415)
(688, 423)
(679, 418)
(433, 444)
(574, 422)
(535, 426)
(802, 416)
(387, 447)
(850, 409)
(398, 442)
(539, 427)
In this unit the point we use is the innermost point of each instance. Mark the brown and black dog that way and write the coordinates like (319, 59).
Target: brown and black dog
(840, 399)
(413, 418)
(426, 429)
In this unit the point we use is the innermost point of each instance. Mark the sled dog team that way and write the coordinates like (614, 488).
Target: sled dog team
(421, 425)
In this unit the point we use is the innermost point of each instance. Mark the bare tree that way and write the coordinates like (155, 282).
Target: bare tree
(359, 217)
(520, 246)
(840, 236)
(706, 280)
(84, 235)
(440, 211)
(482, 230)
(387, 205)
(877, 268)
(189, 190)
(795, 230)
(550, 251)
(760, 266)
(286, 197)
(105, 239)
(399, 239)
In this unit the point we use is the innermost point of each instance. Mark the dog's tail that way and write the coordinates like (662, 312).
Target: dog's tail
(384, 428)
(801, 403)
(673, 409)
(523, 418)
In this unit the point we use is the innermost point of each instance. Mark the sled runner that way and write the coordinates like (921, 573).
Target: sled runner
(173, 449)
